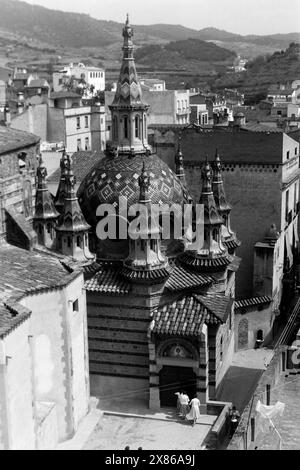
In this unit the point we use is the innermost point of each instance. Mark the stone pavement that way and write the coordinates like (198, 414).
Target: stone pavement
(112, 426)
(241, 378)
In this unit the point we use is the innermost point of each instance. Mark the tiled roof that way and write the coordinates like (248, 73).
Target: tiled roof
(186, 315)
(196, 262)
(107, 280)
(257, 127)
(111, 178)
(82, 163)
(13, 139)
(22, 273)
(181, 278)
(253, 301)
(217, 305)
(231, 243)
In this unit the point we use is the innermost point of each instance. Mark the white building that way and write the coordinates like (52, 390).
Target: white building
(93, 76)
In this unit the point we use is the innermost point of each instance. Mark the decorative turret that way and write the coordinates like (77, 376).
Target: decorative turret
(72, 229)
(145, 261)
(228, 235)
(61, 190)
(129, 112)
(179, 168)
(208, 253)
(45, 215)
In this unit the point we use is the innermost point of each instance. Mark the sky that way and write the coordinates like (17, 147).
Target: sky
(237, 16)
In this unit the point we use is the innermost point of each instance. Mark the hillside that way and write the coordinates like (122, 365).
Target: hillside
(65, 29)
(263, 71)
(186, 54)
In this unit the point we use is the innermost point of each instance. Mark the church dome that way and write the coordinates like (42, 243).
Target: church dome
(113, 177)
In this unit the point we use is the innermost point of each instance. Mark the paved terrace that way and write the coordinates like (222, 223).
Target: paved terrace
(112, 426)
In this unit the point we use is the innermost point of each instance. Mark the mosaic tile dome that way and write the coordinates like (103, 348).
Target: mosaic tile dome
(111, 178)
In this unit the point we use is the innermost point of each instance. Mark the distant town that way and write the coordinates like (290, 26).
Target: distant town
(159, 339)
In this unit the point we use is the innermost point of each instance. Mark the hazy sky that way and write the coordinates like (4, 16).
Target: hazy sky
(238, 16)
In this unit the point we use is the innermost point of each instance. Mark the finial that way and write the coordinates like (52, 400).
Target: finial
(206, 175)
(41, 169)
(144, 183)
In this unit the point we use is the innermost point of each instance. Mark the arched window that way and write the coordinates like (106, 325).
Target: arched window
(216, 234)
(125, 127)
(115, 128)
(137, 126)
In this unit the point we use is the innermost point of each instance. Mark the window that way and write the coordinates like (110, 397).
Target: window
(115, 128)
(75, 306)
(296, 151)
(126, 127)
(86, 119)
(137, 125)
(69, 241)
(287, 154)
(79, 144)
(143, 245)
(286, 205)
(78, 241)
(78, 122)
(221, 348)
(86, 143)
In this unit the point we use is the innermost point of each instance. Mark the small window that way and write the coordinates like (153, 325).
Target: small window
(75, 306)
(69, 242)
(87, 143)
(296, 151)
(78, 122)
(287, 154)
(86, 119)
(137, 126)
(126, 127)
(221, 348)
(78, 241)
(79, 144)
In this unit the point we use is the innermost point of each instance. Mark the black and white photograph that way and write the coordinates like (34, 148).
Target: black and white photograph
(149, 228)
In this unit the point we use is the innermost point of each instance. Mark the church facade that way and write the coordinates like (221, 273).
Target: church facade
(160, 311)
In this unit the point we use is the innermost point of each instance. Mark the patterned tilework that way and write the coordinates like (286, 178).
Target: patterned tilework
(114, 177)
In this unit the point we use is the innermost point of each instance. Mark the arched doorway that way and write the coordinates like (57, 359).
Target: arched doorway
(173, 379)
(178, 359)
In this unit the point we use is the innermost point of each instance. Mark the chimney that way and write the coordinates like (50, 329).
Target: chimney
(239, 119)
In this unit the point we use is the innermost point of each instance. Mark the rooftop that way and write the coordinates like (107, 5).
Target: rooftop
(13, 139)
(82, 163)
(43, 272)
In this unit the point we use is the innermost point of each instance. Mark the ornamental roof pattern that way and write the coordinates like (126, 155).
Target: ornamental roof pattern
(253, 301)
(111, 178)
(187, 315)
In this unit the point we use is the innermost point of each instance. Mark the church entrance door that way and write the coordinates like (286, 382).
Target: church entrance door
(174, 379)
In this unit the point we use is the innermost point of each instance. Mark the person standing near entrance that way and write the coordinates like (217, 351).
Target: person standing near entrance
(184, 404)
(194, 413)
